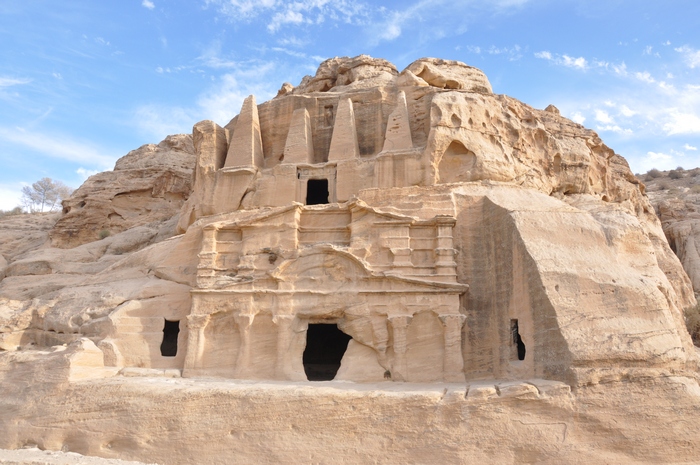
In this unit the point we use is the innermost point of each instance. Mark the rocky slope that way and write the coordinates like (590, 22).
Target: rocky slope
(147, 186)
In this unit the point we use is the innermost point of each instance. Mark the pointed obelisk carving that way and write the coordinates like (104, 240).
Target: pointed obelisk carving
(398, 130)
(344, 139)
(246, 147)
(299, 147)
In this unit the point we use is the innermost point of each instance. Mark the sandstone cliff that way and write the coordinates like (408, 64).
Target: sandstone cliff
(502, 256)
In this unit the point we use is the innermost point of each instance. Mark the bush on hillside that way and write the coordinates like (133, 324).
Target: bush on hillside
(692, 322)
(13, 212)
(654, 173)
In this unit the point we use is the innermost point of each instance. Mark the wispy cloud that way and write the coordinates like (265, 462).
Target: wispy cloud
(513, 53)
(8, 81)
(58, 146)
(278, 14)
(85, 173)
(564, 60)
(689, 147)
(220, 102)
(690, 55)
(148, 4)
(444, 17)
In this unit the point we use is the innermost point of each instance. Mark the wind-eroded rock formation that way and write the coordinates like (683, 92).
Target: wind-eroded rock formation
(368, 226)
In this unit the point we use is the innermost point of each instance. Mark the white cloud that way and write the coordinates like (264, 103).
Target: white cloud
(58, 146)
(579, 62)
(614, 128)
(620, 69)
(513, 53)
(10, 196)
(433, 18)
(566, 60)
(603, 117)
(658, 160)
(279, 13)
(577, 117)
(8, 81)
(85, 173)
(689, 147)
(681, 123)
(220, 102)
(148, 4)
(690, 55)
(626, 111)
(159, 121)
(648, 50)
(645, 77)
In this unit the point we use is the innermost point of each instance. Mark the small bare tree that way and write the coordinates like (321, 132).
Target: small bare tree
(45, 195)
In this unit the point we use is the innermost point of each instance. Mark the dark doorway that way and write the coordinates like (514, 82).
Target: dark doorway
(317, 191)
(325, 346)
(517, 341)
(170, 332)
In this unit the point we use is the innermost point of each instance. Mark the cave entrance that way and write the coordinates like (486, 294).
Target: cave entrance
(317, 192)
(517, 344)
(168, 347)
(325, 347)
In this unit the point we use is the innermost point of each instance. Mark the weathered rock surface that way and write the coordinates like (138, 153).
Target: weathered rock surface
(675, 195)
(148, 185)
(500, 256)
(36, 456)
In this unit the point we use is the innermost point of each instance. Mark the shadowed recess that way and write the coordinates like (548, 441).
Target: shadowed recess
(325, 347)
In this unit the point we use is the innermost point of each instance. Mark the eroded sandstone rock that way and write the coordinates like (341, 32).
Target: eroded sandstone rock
(148, 185)
(373, 227)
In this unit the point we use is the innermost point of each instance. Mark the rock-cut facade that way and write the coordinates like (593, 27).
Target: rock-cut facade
(370, 225)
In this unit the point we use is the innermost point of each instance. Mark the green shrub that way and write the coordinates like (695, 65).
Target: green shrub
(104, 233)
(675, 174)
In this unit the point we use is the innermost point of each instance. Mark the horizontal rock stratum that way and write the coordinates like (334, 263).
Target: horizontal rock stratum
(374, 266)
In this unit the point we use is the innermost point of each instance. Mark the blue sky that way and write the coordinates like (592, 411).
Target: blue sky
(82, 82)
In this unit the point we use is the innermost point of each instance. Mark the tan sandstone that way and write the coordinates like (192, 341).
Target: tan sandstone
(373, 266)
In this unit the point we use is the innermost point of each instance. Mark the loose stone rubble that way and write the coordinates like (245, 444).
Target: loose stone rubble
(473, 279)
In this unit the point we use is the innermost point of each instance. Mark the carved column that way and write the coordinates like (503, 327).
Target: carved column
(399, 325)
(207, 258)
(444, 252)
(453, 362)
(398, 241)
(195, 344)
(244, 321)
(284, 338)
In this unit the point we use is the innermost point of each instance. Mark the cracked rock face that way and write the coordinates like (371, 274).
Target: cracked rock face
(148, 185)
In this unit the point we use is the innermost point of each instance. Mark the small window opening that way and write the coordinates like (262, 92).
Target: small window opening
(317, 191)
(170, 332)
(517, 342)
(325, 347)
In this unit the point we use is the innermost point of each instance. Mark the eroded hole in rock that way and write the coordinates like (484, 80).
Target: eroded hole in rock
(317, 191)
(325, 346)
(168, 347)
(517, 342)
